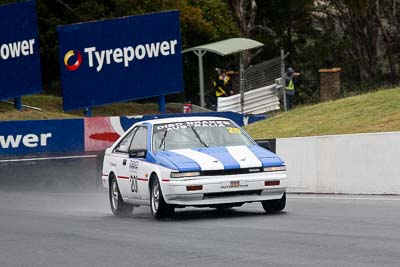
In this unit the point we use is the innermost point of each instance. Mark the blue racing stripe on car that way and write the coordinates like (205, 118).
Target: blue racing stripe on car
(184, 164)
(267, 158)
(221, 154)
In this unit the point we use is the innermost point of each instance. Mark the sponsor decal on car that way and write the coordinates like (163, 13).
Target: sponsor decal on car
(234, 184)
(194, 124)
(134, 164)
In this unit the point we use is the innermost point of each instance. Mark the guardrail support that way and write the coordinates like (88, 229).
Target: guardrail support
(200, 55)
(241, 82)
(18, 103)
(283, 78)
(88, 112)
(161, 104)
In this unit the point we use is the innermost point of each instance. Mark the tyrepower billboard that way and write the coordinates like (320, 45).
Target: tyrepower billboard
(19, 51)
(120, 59)
(41, 136)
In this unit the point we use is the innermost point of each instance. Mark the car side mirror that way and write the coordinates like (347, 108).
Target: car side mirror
(137, 153)
(269, 144)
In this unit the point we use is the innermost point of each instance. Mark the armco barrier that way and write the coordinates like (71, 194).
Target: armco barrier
(348, 164)
(256, 101)
(80, 135)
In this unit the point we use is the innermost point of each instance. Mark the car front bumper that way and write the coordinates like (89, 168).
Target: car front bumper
(226, 189)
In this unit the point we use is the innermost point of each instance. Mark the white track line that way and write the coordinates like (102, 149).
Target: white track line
(341, 197)
(49, 158)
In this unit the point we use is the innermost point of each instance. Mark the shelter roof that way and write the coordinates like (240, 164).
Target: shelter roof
(227, 47)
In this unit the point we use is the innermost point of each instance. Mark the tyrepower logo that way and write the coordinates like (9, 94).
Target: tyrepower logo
(99, 58)
(69, 56)
(28, 140)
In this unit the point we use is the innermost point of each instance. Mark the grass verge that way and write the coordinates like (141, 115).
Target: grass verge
(373, 112)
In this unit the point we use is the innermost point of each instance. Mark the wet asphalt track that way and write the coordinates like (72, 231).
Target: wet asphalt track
(63, 224)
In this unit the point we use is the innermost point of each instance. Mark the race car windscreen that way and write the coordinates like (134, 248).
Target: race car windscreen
(195, 134)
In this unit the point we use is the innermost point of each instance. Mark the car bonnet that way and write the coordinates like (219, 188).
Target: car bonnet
(218, 158)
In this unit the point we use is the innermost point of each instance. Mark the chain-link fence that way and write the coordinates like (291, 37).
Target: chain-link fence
(266, 72)
(259, 76)
(307, 85)
(262, 74)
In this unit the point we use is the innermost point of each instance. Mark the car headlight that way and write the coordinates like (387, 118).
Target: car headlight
(275, 169)
(184, 174)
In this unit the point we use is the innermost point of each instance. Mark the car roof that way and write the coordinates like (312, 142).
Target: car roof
(183, 119)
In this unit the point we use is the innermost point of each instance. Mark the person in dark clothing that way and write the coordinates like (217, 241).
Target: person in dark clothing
(223, 84)
(290, 81)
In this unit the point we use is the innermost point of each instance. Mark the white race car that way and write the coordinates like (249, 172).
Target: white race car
(191, 161)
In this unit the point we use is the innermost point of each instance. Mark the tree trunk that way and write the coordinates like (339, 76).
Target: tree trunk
(245, 12)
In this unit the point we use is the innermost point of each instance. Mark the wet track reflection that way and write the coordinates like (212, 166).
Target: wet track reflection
(72, 225)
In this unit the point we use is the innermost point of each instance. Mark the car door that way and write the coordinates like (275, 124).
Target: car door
(121, 160)
(136, 163)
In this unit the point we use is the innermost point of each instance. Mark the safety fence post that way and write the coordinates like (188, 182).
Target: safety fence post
(88, 112)
(283, 78)
(161, 104)
(18, 103)
(241, 82)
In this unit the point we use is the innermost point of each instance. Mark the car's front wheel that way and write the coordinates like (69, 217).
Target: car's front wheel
(276, 205)
(159, 208)
(118, 206)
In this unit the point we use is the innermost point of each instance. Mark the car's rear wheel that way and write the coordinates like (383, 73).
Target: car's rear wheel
(276, 205)
(159, 208)
(118, 206)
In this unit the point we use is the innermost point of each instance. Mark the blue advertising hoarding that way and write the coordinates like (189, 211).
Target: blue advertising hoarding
(102, 132)
(120, 59)
(41, 136)
(19, 51)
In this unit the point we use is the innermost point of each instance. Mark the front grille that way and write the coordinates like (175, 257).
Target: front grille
(230, 172)
(232, 194)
